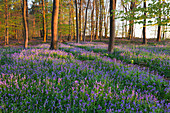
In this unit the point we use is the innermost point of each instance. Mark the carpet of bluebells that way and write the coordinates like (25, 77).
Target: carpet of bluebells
(77, 78)
(156, 58)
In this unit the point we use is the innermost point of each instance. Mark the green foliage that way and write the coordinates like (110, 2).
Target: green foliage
(14, 17)
(154, 10)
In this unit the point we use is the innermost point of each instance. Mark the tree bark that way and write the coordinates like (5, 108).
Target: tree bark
(159, 34)
(112, 25)
(105, 23)
(85, 21)
(27, 17)
(97, 11)
(131, 26)
(72, 21)
(69, 36)
(92, 22)
(54, 25)
(25, 23)
(80, 13)
(0, 26)
(159, 27)
(144, 25)
(6, 23)
(44, 22)
(101, 19)
(46, 11)
(77, 26)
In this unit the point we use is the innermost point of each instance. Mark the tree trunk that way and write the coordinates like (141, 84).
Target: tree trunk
(77, 26)
(46, 11)
(101, 19)
(92, 22)
(54, 25)
(105, 23)
(27, 16)
(159, 27)
(125, 9)
(0, 27)
(25, 23)
(112, 25)
(44, 22)
(97, 11)
(131, 26)
(83, 22)
(122, 29)
(159, 34)
(72, 23)
(144, 25)
(6, 23)
(84, 34)
(80, 11)
(69, 36)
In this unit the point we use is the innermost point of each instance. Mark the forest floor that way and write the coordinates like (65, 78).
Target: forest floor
(85, 77)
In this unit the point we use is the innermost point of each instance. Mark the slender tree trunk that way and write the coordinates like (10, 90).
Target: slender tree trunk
(69, 36)
(97, 13)
(80, 13)
(54, 25)
(166, 31)
(159, 27)
(126, 32)
(125, 9)
(122, 29)
(6, 23)
(72, 22)
(164, 27)
(44, 22)
(101, 19)
(77, 26)
(92, 22)
(112, 25)
(131, 26)
(105, 23)
(163, 33)
(159, 34)
(0, 28)
(46, 11)
(84, 34)
(27, 16)
(144, 25)
(25, 23)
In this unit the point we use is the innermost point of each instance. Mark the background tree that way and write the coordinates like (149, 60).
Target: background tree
(54, 25)
(97, 14)
(112, 25)
(6, 23)
(77, 25)
(25, 22)
(92, 22)
(159, 26)
(80, 15)
(84, 34)
(144, 24)
(44, 21)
